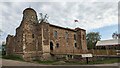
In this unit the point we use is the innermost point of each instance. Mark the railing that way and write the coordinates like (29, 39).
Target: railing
(103, 52)
(79, 52)
(75, 52)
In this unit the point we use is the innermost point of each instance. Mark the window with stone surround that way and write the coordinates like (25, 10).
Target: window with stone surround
(66, 36)
(83, 37)
(74, 36)
(55, 34)
(75, 44)
(57, 45)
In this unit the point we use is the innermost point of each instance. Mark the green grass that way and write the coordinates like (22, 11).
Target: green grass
(13, 57)
(67, 62)
(106, 61)
(99, 61)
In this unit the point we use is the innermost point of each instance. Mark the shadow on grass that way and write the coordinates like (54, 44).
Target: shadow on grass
(67, 62)
(13, 57)
(106, 61)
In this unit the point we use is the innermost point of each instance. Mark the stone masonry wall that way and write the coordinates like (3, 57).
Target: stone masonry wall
(10, 45)
(37, 40)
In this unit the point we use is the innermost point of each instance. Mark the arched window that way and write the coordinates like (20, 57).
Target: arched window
(51, 46)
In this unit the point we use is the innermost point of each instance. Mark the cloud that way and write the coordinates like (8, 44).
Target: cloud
(91, 15)
(59, 0)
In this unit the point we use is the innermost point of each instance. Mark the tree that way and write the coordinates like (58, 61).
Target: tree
(92, 39)
(115, 35)
(3, 48)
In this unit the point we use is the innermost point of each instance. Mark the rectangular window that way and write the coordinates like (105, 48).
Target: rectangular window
(75, 44)
(66, 36)
(55, 34)
(74, 36)
(83, 37)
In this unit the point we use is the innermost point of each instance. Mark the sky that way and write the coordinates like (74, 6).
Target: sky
(95, 16)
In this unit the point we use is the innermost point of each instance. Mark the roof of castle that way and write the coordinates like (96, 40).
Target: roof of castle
(66, 28)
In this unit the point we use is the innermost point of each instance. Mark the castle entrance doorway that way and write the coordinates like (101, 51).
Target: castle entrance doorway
(51, 46)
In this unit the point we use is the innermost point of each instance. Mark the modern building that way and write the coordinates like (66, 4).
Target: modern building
(112, 46)
(44, 41)
(109, 44)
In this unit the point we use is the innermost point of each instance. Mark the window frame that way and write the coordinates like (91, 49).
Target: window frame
(57, 45)
(66, 36)
(75, 37)
(55, 34)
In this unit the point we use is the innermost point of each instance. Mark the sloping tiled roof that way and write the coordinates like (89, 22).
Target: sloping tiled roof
(108, 42)
(61, 27)
(65, 28)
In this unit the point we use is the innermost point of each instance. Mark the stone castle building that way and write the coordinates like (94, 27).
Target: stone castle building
(42, 40)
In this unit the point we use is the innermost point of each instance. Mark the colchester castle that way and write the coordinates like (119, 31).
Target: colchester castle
(41, 40)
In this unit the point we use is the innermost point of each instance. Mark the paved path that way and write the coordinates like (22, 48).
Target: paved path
(21, 63)
(17, 63)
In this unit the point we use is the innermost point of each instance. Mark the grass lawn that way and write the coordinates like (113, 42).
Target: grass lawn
(13, 57)
(106, 61)
(99, 61)
(67, 62)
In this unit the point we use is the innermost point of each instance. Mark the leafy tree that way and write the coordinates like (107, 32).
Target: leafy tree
(115, 35)
(3, 48)
(92, 39)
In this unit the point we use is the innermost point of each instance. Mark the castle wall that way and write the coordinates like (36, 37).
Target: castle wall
(83, 40)
(45, 37)
(32, 35)
(66, 45)
(10, 45)
(18, 41)
(35, 40)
